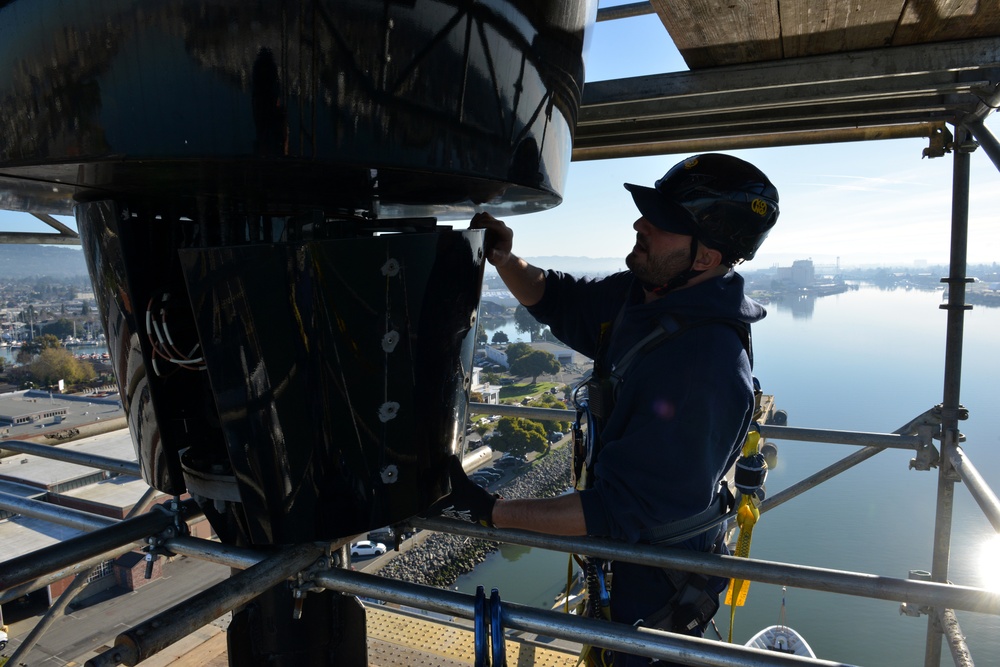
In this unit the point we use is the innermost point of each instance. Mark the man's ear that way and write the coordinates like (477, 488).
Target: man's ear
(707, 258)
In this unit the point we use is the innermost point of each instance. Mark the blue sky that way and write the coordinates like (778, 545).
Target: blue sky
(874, 202)
(865, 203)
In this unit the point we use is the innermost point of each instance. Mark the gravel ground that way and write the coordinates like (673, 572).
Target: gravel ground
(442, 558)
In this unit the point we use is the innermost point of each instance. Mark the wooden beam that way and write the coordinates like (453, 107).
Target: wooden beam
(714, 32)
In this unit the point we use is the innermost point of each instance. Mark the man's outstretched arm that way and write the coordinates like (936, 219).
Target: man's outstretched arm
(468, 501)
(562, 515)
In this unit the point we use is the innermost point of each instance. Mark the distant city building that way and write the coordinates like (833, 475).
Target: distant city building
(502, 297)
(801, 273)
(564, 355)
(497, 355)
(46, 410)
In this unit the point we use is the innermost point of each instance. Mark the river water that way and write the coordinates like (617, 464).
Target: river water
(864, 360)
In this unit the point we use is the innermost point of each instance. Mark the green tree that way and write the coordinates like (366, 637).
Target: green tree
(525, 322)
(500, 337)
(60, 328)
(54, 364)
(518, 436)
(481, 333)
(548, 400)
(48, 341)
(535, 363)
(516, 351)
(31, 349)
(26, 354)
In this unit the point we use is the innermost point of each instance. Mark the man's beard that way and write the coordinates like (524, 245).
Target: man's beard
(656, 271)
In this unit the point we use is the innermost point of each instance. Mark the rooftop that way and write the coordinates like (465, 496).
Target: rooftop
(79, 410)
(52, 475)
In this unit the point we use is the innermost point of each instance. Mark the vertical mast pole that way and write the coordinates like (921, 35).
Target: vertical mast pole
(950, 406)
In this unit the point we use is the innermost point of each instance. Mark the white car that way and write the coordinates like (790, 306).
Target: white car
(367, 548)
(3, 638)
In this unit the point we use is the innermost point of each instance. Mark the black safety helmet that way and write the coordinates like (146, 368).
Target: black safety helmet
(723, 201)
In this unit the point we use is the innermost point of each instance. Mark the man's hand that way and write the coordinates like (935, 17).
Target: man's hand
(525, 282)
(499, 238)
(467, 501)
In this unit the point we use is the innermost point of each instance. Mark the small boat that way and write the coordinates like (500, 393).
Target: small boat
(781, 638)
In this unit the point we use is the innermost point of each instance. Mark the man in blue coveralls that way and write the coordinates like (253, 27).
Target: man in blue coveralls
(675, 419)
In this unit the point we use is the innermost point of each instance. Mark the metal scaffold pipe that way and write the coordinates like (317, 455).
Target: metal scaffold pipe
(882, 440)
(589, 631)
(63, 516)
(56, 610)
(951, 401)
(130, 468)
(214, 552)
(525, 412)
(816, 479)
(26, 568)
(956, 640)
(987, 140)
(980, 490)
(829, 436)
(11, 594)
(783, 574)
(167, 627)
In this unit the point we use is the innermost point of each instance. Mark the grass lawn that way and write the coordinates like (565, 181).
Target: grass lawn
(516, 392)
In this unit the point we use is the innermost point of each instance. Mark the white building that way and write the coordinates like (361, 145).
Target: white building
(489, 392)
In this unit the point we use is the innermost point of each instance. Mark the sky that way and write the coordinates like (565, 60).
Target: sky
(874, 202)
(860, 203)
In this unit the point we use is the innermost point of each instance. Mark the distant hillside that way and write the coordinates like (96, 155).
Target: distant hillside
(18, 261)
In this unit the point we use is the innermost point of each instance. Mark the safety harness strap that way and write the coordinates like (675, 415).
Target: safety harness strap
(668, 327)
(722, 508)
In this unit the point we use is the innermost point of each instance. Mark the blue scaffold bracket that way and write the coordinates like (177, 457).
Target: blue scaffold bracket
(481, 626)
(496, 630)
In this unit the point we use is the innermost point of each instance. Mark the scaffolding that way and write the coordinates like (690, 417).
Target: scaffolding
(934, 437)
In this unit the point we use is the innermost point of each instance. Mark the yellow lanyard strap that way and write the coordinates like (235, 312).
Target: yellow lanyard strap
(746, 517)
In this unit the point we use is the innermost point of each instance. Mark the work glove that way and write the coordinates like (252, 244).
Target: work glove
(467, 501)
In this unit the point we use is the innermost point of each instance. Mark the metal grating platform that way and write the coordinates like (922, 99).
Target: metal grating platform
(402, 640)
(395, 639)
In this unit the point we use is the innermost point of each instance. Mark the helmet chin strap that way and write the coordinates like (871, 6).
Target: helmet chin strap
(681, 278)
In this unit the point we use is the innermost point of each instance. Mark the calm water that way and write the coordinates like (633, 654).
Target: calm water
(866, 360)
(10, 355)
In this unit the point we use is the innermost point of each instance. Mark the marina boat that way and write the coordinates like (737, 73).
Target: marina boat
(781, 638)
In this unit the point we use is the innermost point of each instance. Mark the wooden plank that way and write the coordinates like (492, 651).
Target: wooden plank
(213, 652)
(833, 26)
(712, 32)
(945, 20)
(191, 651)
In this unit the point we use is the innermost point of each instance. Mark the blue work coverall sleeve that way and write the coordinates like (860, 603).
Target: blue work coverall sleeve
(575, 308)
